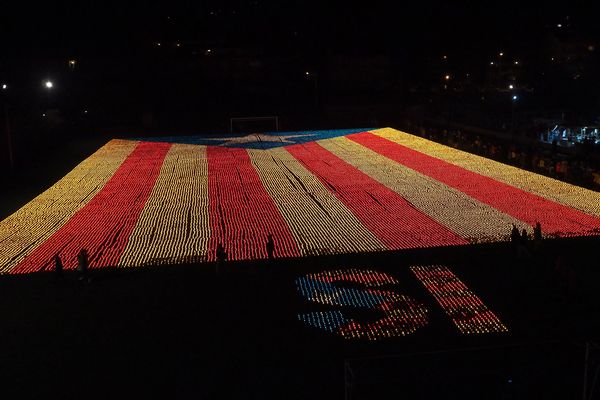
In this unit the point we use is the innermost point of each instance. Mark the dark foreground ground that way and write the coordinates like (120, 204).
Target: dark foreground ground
(184, 332)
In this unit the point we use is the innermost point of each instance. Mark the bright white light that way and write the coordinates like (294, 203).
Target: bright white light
(447, 77)
(44, 114)
(307, 73)
(501, 54)
(515, 97)
(559, 25)
(511, 87)
(4, 86)
(516, 63)
(49, 84)
(85, 111)
(491, 63)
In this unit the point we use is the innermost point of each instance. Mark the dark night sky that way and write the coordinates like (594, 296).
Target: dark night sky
(36, 39)
(363, 53)
(31, 28)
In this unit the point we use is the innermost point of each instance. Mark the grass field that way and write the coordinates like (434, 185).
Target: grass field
(173, 200)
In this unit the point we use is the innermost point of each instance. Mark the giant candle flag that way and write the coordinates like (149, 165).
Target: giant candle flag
(173, 200)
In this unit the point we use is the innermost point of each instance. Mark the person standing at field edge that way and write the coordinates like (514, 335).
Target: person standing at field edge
(221, 253)
(82, 263)
(537, 235)
(58, 266)
(514, 235)
(270, 246)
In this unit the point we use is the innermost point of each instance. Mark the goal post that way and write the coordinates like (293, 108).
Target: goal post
(253, 124)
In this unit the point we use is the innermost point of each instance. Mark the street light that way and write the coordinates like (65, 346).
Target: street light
(315, 78)
(511, 87)
(447, 77)
(49, 84)
(512, 113)
(4, 103)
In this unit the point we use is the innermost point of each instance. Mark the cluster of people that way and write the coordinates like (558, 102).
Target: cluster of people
(221, 253)
(82, 264)
(83, 258)
(521, 239)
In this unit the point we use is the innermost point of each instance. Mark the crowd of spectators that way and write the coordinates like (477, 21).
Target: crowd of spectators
(572, 168)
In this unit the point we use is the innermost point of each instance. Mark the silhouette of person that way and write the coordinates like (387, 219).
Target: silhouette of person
(270, 246)
(537, 232)
(524, 236)
(514, 234)
(82, 263)
(537, 236)
(58, 265)
(221, 253)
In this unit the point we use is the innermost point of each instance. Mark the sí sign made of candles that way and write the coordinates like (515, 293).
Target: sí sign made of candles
(400, 315)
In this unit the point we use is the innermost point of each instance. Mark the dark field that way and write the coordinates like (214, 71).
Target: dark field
(185, 332)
